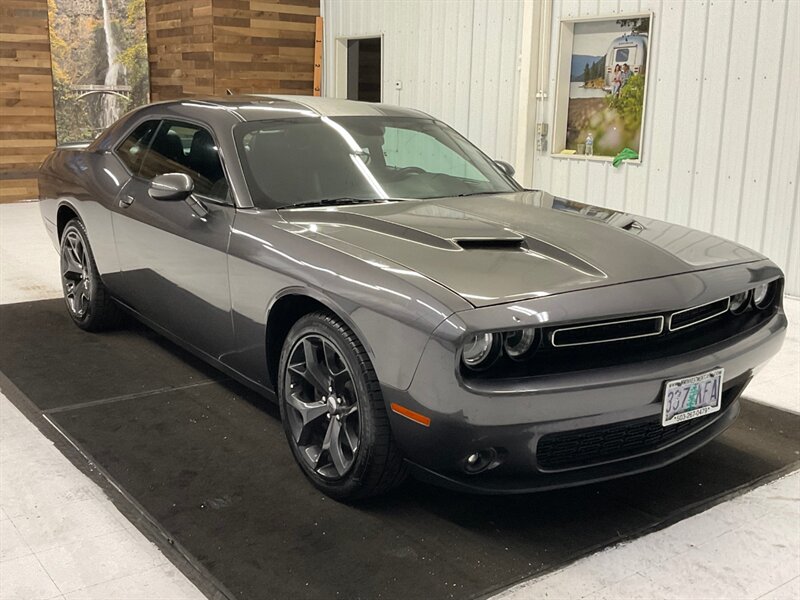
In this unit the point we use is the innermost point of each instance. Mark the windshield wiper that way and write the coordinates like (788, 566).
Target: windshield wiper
(479, 194)
(336, 202)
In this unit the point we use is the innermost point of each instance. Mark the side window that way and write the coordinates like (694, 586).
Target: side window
(132, 150)
(190, 149)
(404, 148)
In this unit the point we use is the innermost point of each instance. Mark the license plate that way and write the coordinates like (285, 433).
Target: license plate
(692, 397)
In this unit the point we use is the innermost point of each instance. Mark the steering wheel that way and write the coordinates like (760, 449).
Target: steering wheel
(411, 171)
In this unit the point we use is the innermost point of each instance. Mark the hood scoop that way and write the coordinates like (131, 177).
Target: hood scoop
(491, 244)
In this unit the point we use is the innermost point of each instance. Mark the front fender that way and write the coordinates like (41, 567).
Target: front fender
(268, 259)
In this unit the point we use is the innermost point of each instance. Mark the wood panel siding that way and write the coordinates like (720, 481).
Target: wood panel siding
(180, 48)
(262, 47)
(205, 47)
(27, 121)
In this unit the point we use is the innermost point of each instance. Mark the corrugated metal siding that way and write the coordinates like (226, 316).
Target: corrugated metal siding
(456, 59)
(722, 125)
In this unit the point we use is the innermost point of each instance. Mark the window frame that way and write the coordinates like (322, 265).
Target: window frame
(229, 201)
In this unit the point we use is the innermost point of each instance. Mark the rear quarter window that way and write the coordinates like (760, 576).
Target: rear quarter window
(134, 147)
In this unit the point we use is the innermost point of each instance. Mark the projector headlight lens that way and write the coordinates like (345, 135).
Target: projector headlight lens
(739, 302)
(478, 351)
(518, 343)
(761, 295)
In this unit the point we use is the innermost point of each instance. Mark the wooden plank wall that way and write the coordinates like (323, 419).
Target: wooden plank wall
(180, 48)
(205, 47)
(262, 47)
(27, 120)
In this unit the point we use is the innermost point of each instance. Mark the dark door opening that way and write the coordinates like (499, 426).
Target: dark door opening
(364, 69)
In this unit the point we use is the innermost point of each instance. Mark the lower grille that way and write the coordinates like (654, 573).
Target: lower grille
(586, 447)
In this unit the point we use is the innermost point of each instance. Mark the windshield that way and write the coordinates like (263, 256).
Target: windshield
(293, 161)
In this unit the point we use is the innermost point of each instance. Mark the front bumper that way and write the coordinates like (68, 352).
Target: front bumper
(514, 419)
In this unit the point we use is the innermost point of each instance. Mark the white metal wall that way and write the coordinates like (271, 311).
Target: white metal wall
(722, 133)
(456, 59)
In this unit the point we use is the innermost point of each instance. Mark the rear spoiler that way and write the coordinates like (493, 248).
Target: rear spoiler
(73, 146)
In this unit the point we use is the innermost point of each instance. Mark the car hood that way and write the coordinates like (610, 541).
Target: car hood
(492, 249)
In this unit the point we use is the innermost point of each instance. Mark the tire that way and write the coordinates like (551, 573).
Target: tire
(340, 369)
(88, 302)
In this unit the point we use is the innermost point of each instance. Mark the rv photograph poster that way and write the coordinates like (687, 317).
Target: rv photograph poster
(604, 72)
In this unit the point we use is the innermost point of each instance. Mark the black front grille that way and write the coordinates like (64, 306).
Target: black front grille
(698, 314)
(607, 332)
(549, 359)
(572, 347)
(587, 447)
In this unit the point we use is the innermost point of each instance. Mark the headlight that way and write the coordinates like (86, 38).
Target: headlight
(762, 295)
(518, 343)
(479, 351)
(739, 302)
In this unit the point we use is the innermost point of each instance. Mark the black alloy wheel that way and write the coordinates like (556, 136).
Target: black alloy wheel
(75, 274)
(333, 411)
(322, 407)
(88, 302)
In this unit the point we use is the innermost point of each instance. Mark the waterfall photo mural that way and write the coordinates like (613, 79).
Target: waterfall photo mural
(99, 57)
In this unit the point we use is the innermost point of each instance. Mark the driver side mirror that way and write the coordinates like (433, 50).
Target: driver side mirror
(505, 167)
(171, 187)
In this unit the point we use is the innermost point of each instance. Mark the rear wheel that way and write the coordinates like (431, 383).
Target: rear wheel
(333, 411)
(88, 301)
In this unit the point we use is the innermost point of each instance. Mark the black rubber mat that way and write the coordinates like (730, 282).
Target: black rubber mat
(208, 460)
(57, 364)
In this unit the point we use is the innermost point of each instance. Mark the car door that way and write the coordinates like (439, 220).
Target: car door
(173, 254)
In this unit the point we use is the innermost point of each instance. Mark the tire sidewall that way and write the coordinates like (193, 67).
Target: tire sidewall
(351, 482)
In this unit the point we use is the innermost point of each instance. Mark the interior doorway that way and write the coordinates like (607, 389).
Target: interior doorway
(363, 69)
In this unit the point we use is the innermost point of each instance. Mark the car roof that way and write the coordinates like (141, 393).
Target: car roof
(222, 112)
(258, 107)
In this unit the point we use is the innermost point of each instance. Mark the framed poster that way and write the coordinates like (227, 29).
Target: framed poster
(601, 90)
(99, 56)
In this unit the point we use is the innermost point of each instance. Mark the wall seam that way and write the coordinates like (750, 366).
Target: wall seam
(693, 174)
(772, 133)
(749, 125)
(722, 121)
(674, 109)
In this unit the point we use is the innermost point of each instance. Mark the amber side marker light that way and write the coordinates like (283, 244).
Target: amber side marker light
(411, 415)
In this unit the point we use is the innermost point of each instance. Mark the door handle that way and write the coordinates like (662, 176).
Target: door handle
(126, 201)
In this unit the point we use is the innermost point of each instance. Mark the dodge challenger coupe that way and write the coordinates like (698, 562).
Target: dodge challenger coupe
(408, 305)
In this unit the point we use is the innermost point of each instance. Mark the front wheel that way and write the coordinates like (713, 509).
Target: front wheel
(88, 301)
(333, 411)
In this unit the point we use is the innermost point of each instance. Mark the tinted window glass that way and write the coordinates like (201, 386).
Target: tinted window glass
(133, 149)
(290, 161)
(408, 149)
(190, 149)
(622, 54)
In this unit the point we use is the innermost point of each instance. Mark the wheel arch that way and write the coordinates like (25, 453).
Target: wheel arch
(286, 309)
(65, 213)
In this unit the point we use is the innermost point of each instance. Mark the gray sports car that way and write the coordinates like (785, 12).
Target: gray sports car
(403, 299)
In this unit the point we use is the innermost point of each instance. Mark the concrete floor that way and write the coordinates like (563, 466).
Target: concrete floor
(61, 537)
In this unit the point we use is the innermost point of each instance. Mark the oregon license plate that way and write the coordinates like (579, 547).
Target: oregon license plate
(692, 397)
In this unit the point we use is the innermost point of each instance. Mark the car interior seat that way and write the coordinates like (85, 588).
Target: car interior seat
(204, 160)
